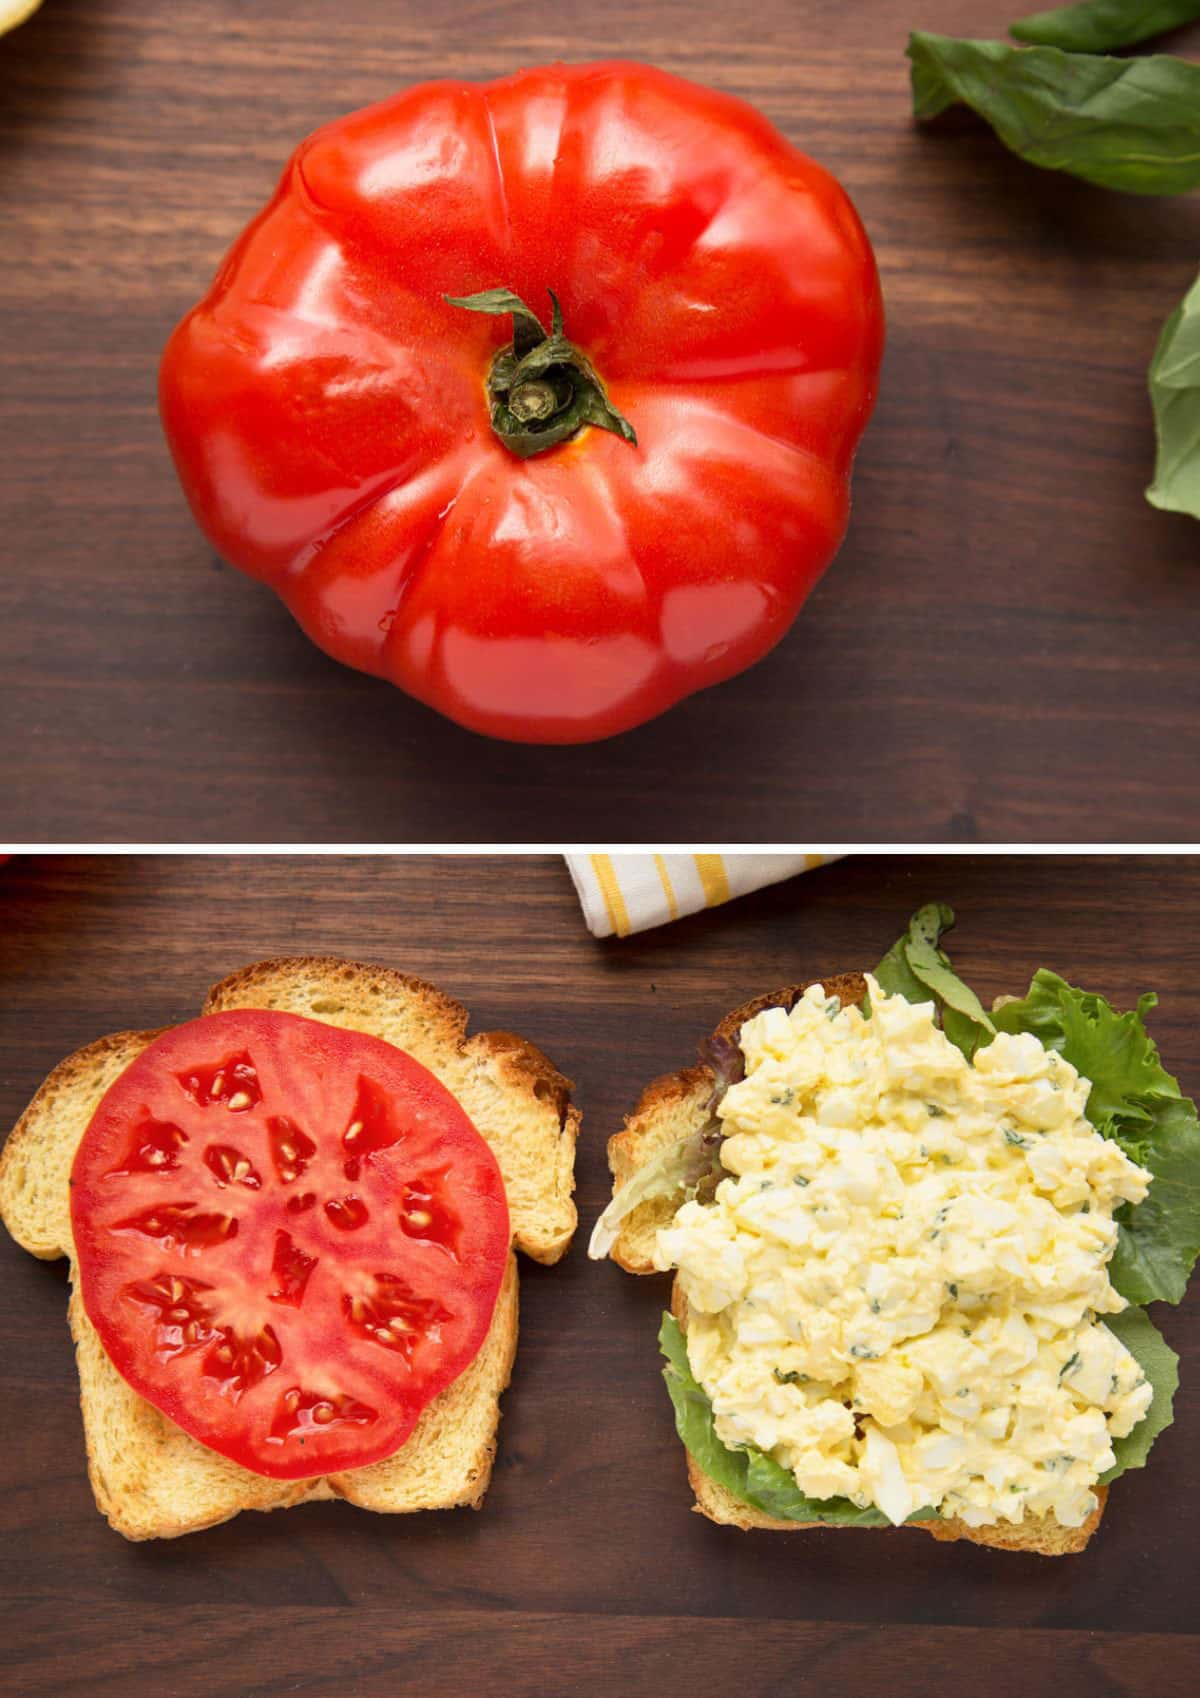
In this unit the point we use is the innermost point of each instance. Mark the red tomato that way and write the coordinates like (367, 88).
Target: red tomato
(342, 429)
(289, 1238)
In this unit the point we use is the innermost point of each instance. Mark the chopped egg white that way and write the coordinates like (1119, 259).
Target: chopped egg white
(896, 1292)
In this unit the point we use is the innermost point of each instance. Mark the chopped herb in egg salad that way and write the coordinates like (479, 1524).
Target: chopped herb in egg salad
(910, 1291)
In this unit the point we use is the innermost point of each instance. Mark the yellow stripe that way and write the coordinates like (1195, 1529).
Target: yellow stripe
(668, 888)
(606, 877)
(811, 861)
(711, 869)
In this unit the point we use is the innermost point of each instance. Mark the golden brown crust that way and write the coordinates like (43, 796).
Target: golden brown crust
(103, 1055)
(849, 988)
(1043, 1535)
(525, 1067)
(331, 970)
(482, 1477)
(524, 1064)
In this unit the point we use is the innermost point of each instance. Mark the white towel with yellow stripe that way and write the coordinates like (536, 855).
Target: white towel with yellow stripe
(628, 893)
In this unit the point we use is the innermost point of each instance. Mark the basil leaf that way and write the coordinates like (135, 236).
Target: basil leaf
(1136, 1102)
(750, 1474)
(916, 969)
(1175, 393)
(896, 977)
(1138, 1333)
(932, 967)
(1097, 26)
(1131, 124)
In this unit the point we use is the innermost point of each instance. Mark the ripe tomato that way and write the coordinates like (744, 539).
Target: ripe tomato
(548, 537)
(289, 1238)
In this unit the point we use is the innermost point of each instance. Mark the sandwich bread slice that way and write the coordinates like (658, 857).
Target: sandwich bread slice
(153, 1480)
(667, 1159)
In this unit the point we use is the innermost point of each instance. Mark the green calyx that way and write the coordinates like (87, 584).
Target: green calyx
(543, 389)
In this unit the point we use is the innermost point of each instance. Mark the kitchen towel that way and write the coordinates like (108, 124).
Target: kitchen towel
(629, 893)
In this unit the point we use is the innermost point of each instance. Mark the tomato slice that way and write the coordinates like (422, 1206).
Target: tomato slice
(289, 1238)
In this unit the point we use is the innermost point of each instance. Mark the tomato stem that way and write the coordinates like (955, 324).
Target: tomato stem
(542, 390)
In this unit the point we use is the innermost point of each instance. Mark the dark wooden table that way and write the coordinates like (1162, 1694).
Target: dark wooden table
(585, 1575)
(1006, 648)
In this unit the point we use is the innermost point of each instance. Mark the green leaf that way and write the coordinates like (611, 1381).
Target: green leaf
(500, 303)
(1138, 1333)
(1159, 1239)
(916, 969)
(599, 410)
(932, 968)
(675, 1170)
(1175, 394)
(1135, 1101)
(751, 1475)
(896, 977)
(1130, 124)
(1097, 26)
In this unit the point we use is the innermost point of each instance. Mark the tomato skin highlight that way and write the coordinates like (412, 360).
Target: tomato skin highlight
(257, 1268)
(327, 412)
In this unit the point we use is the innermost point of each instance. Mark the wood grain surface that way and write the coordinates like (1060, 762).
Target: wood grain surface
(584, 1575)
(1005, 649)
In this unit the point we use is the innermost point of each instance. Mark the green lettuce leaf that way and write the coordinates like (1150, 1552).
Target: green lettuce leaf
(1175, 394)
(690, 1167)
(674, 1171)
(750, 1474)
(1097, 26)
(1130, 124)
(1135, 1101)
(1160, 1365)
(919, 971)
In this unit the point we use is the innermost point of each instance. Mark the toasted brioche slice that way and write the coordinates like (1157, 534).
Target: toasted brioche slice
(671, 1107)
(153, 1480)
(519, 1102)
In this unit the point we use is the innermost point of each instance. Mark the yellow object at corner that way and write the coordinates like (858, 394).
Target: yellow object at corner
(14, 12)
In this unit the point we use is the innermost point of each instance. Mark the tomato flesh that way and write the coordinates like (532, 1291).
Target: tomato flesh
(289, 1238)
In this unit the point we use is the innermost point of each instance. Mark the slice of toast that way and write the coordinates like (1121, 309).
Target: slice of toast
(153, 1480)
(668, 1109)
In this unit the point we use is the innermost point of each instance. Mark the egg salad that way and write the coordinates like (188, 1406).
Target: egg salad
(897, 1291)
